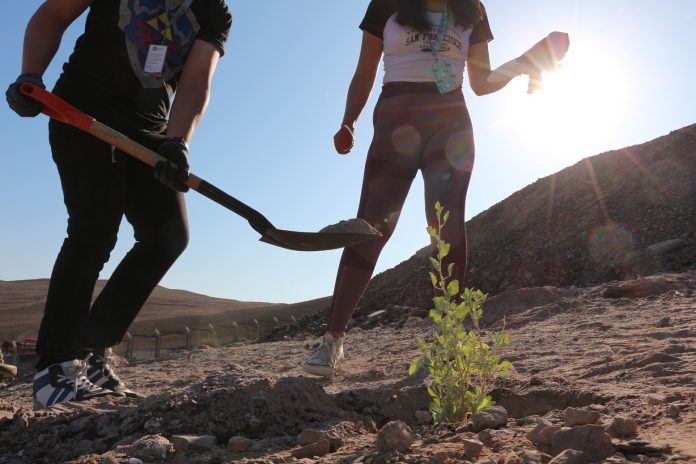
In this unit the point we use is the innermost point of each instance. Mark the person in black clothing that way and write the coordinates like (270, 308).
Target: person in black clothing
(132, 58)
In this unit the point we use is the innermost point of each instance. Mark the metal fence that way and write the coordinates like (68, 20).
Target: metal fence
(138, 346)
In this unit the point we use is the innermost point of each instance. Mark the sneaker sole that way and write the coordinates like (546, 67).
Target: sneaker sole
(321, 371)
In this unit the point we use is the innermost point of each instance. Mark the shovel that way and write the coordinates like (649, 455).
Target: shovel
(60, 110)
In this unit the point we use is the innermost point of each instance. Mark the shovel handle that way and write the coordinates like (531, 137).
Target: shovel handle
(60, 110)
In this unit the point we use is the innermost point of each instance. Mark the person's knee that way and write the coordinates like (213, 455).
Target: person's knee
(90, 240)
(172, 240)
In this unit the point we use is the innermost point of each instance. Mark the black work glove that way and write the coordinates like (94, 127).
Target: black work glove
(21, 104)
(175, 170)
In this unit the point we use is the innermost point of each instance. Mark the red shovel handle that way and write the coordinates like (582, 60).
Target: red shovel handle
(57, 108)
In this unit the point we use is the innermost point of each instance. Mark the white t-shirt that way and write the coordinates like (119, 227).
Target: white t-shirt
(407, 51)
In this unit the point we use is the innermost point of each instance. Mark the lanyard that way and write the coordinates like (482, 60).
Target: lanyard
(444, 17)
(180, 11)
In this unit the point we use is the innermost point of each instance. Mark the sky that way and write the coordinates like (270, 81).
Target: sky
(278, 97)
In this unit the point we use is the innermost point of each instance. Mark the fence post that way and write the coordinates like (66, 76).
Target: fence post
(236, 331)
(258, 329)
(276, 322)
(212, 331)
(131, 342)
(15, 354)
(294, 321)
(158, 343)
(188, 337)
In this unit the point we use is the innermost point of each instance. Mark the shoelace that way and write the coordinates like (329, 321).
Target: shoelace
(106, 368)
(79, 380)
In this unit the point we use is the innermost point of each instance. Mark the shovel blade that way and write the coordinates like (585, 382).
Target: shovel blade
(313, 241)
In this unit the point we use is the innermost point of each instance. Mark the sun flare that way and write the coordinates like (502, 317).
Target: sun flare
(578, 107)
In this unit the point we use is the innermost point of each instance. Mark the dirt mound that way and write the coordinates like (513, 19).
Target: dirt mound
(585, 361)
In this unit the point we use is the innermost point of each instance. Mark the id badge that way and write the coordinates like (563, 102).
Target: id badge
(444, 77)
(154, 62)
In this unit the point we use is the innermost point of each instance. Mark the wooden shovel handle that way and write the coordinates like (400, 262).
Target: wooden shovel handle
(60, 110)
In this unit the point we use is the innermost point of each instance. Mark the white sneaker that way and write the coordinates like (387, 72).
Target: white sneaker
(102, 374)
(63, 382)
(327, 358)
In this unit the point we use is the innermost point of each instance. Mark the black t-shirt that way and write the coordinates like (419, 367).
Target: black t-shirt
(379, 11)
(104, 76)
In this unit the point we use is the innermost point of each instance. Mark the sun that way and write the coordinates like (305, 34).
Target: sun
(579, 107)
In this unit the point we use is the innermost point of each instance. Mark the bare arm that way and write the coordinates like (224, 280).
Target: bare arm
(363, 79)
(45, 31)
(479, 68)
(193, 91)
(359, 90)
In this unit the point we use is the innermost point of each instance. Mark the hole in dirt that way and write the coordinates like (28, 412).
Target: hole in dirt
(540, 401)
(386, 404)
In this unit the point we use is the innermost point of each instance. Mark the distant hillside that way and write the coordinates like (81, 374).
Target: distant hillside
(22, 302)
(613, 216)
(609, 217)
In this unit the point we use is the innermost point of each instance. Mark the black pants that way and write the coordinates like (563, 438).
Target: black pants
(100, 186)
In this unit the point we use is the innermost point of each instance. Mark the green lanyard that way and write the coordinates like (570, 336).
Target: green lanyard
(444, 18)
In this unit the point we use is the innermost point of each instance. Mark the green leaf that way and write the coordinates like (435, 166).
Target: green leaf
(453, 287)
(416, 365)
(443, 250)
(433, 279)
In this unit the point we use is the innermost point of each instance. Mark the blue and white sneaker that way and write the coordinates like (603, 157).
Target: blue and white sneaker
(63, 382)
(101, 373)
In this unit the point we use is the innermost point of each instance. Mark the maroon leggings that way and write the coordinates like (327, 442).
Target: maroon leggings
(415, 128)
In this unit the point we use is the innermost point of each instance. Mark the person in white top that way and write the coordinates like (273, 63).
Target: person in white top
(421, 122)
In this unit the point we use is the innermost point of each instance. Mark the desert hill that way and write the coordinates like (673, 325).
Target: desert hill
(21, 307)
(617, 215)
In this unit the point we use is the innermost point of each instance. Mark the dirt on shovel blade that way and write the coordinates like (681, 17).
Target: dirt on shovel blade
(350, 226)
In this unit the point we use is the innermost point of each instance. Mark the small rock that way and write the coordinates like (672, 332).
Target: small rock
(489, 418)
(623, 427)
(570, 456)
(654, 400)
(542, 434)
(81, 424)
(530, 457)
(590, 439)
(395, 436)
(472, 448)
(423, 417)
(153, 425)
(197, 443)
(309, 436)
(320, 448)
(665, 246)
(151, 448)
(673, 411)
(575, 416)
(238, 443)
(664, 322)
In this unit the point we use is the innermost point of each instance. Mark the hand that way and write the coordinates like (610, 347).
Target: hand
(343, 140)
(544, 56)
(21, 104)
(175, 170)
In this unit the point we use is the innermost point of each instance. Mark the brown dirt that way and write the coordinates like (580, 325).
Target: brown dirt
(622, 348)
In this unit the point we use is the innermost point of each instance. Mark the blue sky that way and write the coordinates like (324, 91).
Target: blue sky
(278, 97)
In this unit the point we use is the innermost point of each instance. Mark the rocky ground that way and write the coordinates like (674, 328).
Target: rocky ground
(608, 371)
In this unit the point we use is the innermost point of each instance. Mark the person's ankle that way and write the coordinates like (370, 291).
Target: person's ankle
(334, 335)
